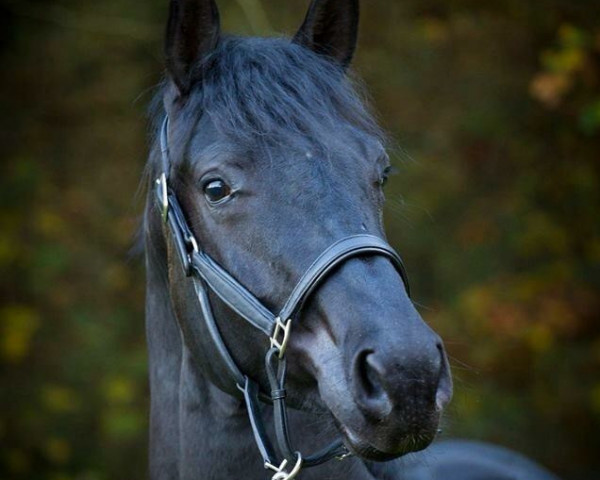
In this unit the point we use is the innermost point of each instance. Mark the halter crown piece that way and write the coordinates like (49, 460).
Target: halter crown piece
(284, 461)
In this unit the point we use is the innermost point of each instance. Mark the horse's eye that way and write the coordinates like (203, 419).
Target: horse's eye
(216, 190)
(385, 175)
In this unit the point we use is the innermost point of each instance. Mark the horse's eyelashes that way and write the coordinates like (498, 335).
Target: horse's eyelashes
(387, 172)
(385, 176)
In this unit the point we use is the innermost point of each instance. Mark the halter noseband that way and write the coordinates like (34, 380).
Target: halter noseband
(206, 274)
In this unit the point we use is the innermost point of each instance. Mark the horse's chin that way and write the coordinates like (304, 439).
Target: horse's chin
(366, 450)
(379, 449)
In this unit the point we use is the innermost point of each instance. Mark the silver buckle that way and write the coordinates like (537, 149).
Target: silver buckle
(344, 456)
(281, 330)
(162, 181)
(280, 473)
(193, 243)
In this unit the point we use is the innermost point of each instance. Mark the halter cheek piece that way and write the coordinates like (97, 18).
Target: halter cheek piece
(206, 274)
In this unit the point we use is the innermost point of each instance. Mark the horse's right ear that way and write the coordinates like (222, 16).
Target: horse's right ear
(193, 32)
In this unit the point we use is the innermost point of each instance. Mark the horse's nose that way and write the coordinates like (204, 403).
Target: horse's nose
(400, 380)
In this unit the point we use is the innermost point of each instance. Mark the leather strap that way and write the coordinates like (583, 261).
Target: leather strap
(215, 335)
(179, 231)
(238, 298)
(164, 147)
(276, 375)
(334, 256)
(250, 391)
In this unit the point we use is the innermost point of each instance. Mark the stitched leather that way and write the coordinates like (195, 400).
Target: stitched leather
(335, 255)
(238, 298)
(215, 335)
(250, 391)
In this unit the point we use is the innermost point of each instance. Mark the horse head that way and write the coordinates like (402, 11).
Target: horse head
(273, 158)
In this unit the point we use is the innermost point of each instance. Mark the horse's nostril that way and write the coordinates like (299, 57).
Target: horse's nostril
(369, 375)
(370, 390)
(444, 387)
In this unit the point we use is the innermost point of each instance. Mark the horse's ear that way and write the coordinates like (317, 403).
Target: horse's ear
(193, 32)
(331, 28)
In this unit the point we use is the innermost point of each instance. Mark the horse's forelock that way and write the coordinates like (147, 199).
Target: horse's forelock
(276, 92)
(281, 92)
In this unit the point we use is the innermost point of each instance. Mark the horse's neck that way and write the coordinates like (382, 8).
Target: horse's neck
(197, 431)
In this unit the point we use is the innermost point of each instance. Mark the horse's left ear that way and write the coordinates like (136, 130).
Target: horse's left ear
(193, 32)
(331, 28)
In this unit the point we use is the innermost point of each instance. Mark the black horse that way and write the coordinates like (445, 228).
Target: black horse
(268, 159)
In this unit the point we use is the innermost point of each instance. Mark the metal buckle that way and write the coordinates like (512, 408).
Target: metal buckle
(280, 473)
(281, 330)
(162, 182)
(192, 241)
(344, 456)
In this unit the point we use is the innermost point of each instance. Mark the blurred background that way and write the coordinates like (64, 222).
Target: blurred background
(495, 107)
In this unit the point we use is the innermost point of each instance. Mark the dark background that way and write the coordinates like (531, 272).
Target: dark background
(495, 107)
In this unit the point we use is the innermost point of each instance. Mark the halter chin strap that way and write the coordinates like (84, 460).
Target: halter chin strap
(206, 274)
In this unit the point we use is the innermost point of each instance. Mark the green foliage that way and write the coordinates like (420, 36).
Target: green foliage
(496, 106)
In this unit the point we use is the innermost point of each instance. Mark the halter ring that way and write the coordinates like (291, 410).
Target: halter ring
(162, 182)
(280, 473)
(281, 330)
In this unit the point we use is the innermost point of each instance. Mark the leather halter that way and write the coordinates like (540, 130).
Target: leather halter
(206, 274)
